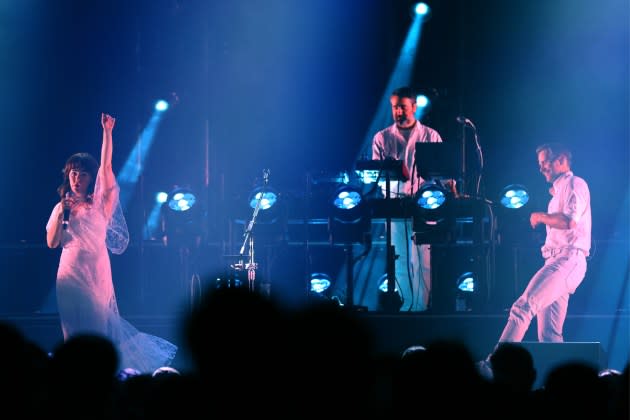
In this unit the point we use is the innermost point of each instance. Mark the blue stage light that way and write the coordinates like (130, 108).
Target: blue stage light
(161, 105)
(514, 196)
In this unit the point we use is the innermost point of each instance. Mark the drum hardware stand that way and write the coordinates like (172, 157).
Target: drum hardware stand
(248, 239)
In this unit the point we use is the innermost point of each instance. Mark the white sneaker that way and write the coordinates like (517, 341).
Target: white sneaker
(485, 369)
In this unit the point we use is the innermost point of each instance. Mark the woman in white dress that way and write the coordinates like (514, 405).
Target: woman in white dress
(87, 223)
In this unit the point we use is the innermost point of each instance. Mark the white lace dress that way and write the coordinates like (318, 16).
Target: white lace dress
(85, 293)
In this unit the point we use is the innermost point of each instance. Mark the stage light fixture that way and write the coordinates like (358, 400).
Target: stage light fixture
(348, 204)
(422, 101)
(423, 104)
(161, 105)
(320, 286)
(466, 285)
(320, 283)
(465, 274)
(514, 196)
(165, 103)
(181, 199)
(182, 218)
(421, 9)
(433, 220)
(431, 196)
(385, 300)
(420, 12)
(267, 198)
(466, 282)
(269, 205)
(161, 197)
(348, 221)
(262, 213)
(513, 221)
(347, 198)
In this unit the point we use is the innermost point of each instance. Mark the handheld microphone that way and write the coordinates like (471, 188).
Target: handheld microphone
(66, 214)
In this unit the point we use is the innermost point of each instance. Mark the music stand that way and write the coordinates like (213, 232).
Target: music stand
(436, 160)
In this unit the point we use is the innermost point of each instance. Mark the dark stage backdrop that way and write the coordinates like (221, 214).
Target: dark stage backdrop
(293, 87)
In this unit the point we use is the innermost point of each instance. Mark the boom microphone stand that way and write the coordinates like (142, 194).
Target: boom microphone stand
(466, 122)
(248, 238)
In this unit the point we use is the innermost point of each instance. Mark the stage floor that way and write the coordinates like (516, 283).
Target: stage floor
(150, 290)
(393, 333)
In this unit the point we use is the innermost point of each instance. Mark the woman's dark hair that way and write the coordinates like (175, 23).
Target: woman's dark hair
(81, 162)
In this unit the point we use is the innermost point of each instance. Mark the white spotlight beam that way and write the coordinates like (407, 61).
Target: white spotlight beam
(134, 165)
(401, 76)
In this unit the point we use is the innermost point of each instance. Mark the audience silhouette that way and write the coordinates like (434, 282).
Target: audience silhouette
(250, 355)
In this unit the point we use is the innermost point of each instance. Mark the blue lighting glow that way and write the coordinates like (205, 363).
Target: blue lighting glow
(267, 199)
(182, 201)
(421, 9)
(161, 105)
(422, 101)
(347, 200)
(466, 282)
(320, 282)
(431, 198)
(514, 196)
